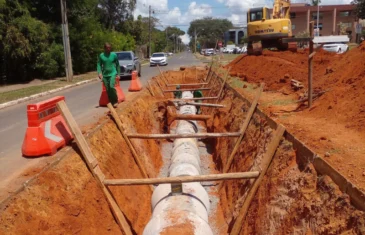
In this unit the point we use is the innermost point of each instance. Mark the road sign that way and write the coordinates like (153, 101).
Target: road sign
(316, 32)
(358, 28)
(198, 46)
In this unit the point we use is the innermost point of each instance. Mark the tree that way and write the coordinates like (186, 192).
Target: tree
(31, 38)
(360, 8)
(114, 12)
(315, 2)
(209, 29)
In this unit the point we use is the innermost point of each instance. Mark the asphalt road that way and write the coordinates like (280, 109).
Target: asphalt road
(83, 103)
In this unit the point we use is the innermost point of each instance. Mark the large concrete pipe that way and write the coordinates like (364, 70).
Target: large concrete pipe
(186, 212)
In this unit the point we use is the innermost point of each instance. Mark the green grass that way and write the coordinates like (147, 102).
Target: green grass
(352, 45)
(235, 83)
(32, 90)
(229, 57)
(279, 103)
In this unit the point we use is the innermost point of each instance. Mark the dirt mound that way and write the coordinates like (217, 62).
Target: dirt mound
(345, 100)
(342, 76)
(276, 69)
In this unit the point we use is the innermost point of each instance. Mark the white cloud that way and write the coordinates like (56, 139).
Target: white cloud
(185, 39)
(199, 10)
(174, 16)
(143, 5)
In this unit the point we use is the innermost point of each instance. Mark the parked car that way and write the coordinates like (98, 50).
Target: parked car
(229, 50)
(243, 49)
(209, 52)
(236, 50)
(128, 62)
(170, 53)
(202, 52)
(159, 58)
(338, 48)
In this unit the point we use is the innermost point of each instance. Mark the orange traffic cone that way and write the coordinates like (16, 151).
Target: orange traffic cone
(104, 100)
(135, 82)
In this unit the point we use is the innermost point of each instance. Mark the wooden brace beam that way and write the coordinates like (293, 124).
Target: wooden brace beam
(183, 179)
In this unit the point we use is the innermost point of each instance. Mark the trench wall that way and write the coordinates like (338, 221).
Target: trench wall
(65, 199)
(294, 198)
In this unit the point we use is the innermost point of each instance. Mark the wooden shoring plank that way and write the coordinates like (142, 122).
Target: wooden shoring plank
(200, 98)
(183, 179)
(189, 89)
(213, 83)
(209, 71)
(163, 78)
(196, 73)
(127, 140)
(242, 131)
(310, 66)
(211, 76)
(159, 85)
(188, 84)
(179, 103)
(179, 136)
(150, 88)
(266, 160)
(175, 117)
(95, 170)
(223, 85)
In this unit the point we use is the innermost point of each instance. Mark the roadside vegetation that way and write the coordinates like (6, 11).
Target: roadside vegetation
(31, 43)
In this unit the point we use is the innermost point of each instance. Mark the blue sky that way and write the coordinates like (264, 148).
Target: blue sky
(180, 13)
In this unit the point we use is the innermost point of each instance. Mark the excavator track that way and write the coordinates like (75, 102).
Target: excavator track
(292, 46)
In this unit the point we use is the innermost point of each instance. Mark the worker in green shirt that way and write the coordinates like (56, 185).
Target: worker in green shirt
(198, 94)
(108, 70)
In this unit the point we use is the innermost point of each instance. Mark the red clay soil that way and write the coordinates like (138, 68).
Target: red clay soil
(291, 199)
(66, 198)
(335, 126)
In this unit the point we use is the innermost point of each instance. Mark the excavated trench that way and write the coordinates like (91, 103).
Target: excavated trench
(293, 197)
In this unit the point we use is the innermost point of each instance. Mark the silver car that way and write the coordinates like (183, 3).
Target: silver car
(338, 48)
(128, 62)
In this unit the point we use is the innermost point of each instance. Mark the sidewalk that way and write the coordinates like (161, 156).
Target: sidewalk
(35, 82)
(18, 93)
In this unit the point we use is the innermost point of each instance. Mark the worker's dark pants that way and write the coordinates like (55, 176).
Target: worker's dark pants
(109, 83)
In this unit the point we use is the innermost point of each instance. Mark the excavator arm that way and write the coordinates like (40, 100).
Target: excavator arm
(281, 9)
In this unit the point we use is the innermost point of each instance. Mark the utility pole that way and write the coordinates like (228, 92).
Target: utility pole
(149, 35)
(66, 42)
(175, 43)
(317, 31)
(167, 41)
(195, 40)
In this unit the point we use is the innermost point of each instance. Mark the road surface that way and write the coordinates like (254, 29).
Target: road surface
(83, 103)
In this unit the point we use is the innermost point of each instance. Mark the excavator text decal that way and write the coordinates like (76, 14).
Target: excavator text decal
(264, 31)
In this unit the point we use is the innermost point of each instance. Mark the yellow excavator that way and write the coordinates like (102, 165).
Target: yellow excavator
(264, 31)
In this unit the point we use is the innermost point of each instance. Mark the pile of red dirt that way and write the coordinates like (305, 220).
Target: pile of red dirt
(342, 76)
(276, 68)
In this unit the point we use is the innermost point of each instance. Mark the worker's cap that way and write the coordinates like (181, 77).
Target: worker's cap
(178, 87)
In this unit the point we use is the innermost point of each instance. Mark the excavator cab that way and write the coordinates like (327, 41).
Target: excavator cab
(258, 14)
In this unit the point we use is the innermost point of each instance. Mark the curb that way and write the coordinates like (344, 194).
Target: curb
(35, 96)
